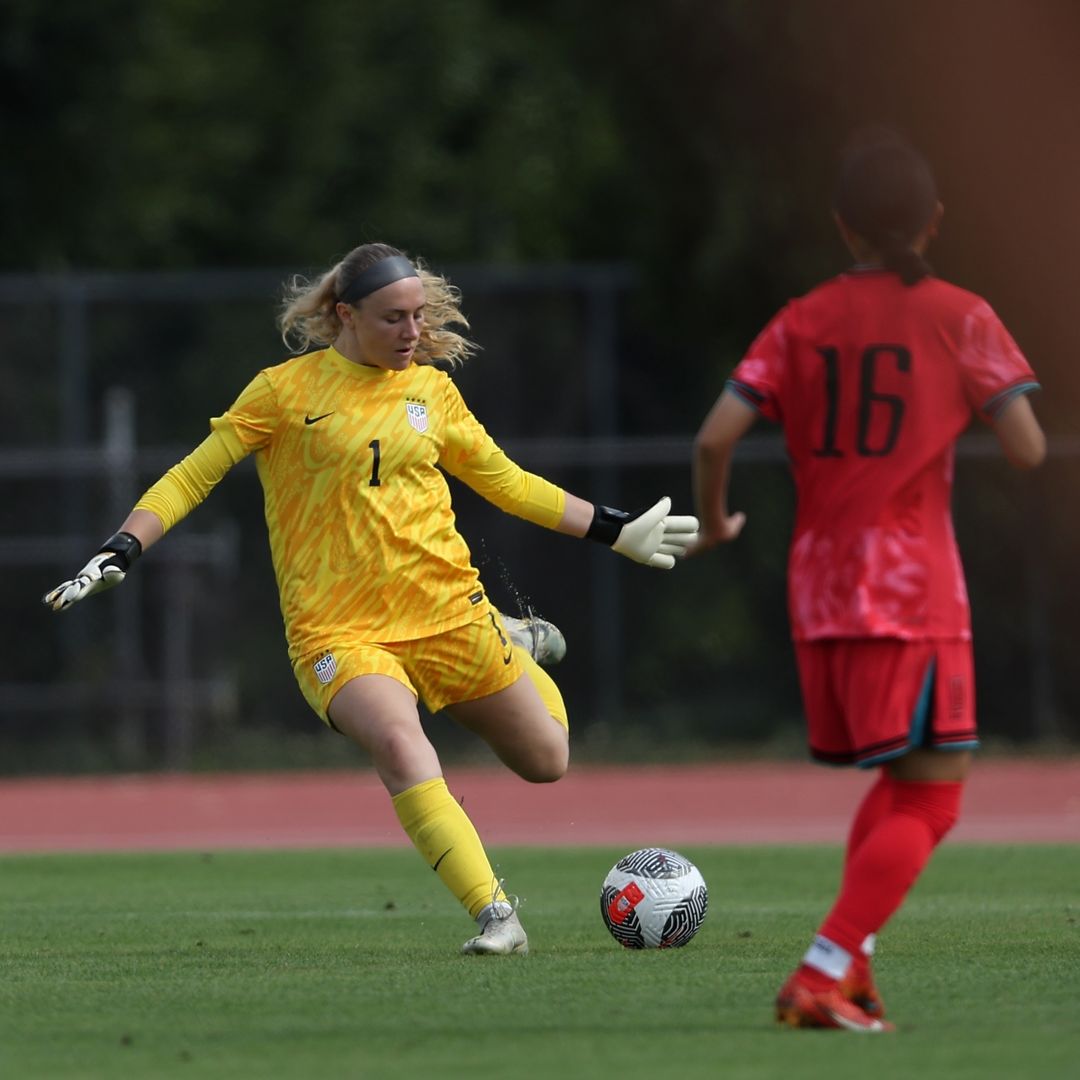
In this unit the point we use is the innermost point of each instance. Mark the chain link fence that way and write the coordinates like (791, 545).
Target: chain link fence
(109, 380)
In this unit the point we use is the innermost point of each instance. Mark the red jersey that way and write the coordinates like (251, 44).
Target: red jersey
(873, 381)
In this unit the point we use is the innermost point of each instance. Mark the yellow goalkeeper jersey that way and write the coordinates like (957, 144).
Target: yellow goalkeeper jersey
(362, 532)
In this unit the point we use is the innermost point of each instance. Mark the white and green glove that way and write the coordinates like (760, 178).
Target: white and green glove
(106, 569)
(651, 536)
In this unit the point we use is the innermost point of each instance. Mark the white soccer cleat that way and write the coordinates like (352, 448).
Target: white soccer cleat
(541, 639)
(501, 933)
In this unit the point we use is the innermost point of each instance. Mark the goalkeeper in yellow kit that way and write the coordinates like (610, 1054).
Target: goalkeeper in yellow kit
(381, 603)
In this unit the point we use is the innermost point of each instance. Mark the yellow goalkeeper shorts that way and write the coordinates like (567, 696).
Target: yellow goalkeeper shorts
(468, 662)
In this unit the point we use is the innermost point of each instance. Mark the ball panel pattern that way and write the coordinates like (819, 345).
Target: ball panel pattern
(683, 923)
(655, 863)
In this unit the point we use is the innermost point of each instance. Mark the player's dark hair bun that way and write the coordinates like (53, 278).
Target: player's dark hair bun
(886, 193)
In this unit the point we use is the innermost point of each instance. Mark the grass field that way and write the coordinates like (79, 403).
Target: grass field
(345, 964)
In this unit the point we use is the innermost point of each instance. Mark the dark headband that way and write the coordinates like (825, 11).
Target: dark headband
(384, 272)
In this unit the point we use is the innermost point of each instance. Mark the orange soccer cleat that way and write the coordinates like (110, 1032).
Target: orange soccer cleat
(799, 1006)
(859, 988)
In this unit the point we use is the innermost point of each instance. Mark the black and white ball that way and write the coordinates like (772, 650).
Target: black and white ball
(654, 899)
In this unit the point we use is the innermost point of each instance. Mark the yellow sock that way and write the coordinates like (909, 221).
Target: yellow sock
(444, 835)
(549, 692)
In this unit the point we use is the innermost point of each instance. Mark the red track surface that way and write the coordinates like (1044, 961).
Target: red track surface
(746, 803)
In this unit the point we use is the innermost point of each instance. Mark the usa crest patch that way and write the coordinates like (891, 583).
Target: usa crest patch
(325, 668)
(417, 413)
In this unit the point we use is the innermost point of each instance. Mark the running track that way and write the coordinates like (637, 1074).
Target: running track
(745, 803)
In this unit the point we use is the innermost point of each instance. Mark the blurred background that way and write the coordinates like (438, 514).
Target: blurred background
(624, 194)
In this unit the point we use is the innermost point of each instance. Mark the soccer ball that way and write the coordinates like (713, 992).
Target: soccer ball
(654, 899)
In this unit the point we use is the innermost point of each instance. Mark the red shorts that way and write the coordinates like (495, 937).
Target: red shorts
(871, 699)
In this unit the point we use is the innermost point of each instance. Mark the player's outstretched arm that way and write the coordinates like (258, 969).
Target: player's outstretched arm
(652, 535)
(112, 562)
(174, 496)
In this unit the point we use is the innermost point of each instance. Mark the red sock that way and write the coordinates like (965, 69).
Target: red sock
(889, 859)
(876, 803)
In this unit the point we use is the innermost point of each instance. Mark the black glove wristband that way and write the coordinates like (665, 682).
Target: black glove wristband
(607, 523)
(125, 547)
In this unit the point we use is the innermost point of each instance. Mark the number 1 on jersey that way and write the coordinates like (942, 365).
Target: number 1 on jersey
(373, 446)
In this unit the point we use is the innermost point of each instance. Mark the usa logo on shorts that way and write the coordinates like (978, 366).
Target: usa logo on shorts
(417, 414)
(325, 668)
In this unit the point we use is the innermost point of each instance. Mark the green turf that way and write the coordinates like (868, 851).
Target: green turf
(345, 964)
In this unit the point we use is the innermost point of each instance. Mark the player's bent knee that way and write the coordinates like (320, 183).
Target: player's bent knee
(546, 767)
(541, 775)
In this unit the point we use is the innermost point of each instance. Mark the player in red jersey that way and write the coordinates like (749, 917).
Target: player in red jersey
(872, 377)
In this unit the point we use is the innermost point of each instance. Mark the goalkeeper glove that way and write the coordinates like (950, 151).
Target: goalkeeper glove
(106, 569)
(651, 536)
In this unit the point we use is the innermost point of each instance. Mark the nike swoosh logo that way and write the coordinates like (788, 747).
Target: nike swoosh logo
(508, 657)
(441, 857)
(315, 419)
